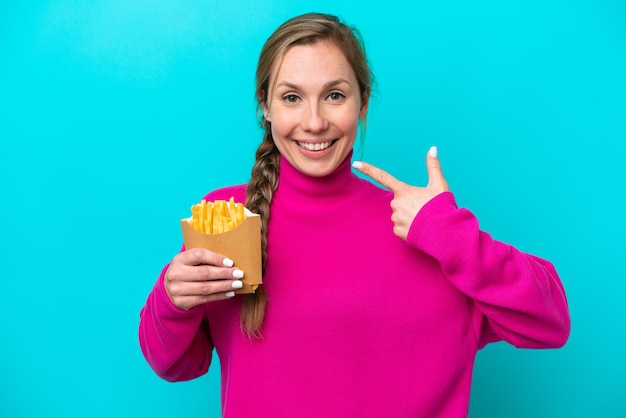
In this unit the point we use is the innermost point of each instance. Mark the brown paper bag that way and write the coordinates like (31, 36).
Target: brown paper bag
(242, 245)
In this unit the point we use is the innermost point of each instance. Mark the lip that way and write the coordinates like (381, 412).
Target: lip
(315, 153)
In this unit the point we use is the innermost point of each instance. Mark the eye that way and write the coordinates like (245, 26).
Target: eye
(290, 98)
(335, 95)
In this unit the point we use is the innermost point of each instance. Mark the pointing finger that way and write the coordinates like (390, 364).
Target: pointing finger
(379, 175)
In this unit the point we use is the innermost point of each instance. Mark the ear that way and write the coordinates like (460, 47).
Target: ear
(266, 110)
(365, 101)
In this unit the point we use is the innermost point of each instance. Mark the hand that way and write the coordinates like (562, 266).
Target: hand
(197, 276)
(408, 200)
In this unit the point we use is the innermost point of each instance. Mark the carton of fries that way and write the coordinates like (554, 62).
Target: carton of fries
(227, 228)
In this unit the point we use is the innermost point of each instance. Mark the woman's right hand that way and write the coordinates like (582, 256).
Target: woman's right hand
(197, 276)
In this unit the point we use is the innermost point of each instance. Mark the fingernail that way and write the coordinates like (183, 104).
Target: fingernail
(433, 152)
(230, 294)
(357, 165)
(238, 274)
(237, 284)
(228, 262)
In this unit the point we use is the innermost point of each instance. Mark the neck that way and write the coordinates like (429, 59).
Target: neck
(304, 190)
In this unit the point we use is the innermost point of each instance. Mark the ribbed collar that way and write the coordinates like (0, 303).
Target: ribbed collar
(296, 188)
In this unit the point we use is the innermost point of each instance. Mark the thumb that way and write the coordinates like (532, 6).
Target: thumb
(433, 166)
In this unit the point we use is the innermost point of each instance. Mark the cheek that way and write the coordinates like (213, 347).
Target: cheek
(282, 124)
(281, 130)
(349, 122)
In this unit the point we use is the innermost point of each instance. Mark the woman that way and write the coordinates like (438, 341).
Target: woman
(374, 301)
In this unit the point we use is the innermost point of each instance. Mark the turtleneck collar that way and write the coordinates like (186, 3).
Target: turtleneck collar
(297, 187)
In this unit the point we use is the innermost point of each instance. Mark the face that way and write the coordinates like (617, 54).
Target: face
(314, 106)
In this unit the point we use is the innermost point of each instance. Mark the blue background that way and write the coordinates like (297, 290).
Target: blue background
(116, 115)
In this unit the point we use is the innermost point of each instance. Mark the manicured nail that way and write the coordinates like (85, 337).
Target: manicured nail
(357, 164)
(230, 294)
(433, 152)
(237, 284)
(237, 274)
(228, 262)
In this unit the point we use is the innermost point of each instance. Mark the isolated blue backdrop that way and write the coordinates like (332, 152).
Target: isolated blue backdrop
(116, 115)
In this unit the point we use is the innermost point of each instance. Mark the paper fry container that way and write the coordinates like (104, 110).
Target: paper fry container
(242, 245)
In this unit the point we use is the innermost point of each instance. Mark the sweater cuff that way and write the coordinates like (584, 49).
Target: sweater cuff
(441, 203)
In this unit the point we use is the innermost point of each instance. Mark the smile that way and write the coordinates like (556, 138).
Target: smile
(315, 147)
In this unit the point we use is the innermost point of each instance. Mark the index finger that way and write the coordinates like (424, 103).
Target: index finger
(200, 256)
(379, 175)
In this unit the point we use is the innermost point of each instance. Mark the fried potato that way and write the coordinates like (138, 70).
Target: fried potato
(216, 217)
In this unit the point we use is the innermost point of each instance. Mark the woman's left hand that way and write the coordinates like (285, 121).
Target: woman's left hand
(408, 200)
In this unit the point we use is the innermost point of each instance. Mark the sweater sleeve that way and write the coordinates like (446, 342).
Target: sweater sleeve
(172, 340)
(517, 297)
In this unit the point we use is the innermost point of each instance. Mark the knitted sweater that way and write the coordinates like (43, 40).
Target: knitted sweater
(360, 323)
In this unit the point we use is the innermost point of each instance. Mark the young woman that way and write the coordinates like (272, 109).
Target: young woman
(374, 301)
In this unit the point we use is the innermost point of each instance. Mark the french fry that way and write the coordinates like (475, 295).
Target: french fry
(232, 210)
(216, 217)
(201, 214)
(209, 221)
(240, 214)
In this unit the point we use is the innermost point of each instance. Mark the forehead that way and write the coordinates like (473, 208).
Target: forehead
(307, 64)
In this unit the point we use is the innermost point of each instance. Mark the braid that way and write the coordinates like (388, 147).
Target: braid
(260, 191)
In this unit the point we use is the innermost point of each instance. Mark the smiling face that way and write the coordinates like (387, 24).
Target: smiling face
(314, 106)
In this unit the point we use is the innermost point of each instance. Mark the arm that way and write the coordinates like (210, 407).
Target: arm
(174, 338)
(171, 339)
(519, 296)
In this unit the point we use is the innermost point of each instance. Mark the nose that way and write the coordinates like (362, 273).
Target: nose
(314, 120)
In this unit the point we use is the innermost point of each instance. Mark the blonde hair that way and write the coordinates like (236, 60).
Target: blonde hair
(305, 29)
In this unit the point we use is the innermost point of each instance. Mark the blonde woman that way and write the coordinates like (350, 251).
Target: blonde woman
(375, 301)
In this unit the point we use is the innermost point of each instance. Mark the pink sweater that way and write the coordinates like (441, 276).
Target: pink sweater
(360, 323)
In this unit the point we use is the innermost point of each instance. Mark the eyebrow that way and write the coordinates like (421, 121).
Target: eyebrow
(326, 86)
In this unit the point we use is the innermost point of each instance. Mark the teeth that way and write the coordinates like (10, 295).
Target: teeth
(314, 147)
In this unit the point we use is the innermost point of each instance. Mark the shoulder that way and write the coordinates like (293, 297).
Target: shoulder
(238, 192)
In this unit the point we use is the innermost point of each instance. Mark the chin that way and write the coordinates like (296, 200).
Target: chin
(319, 164)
